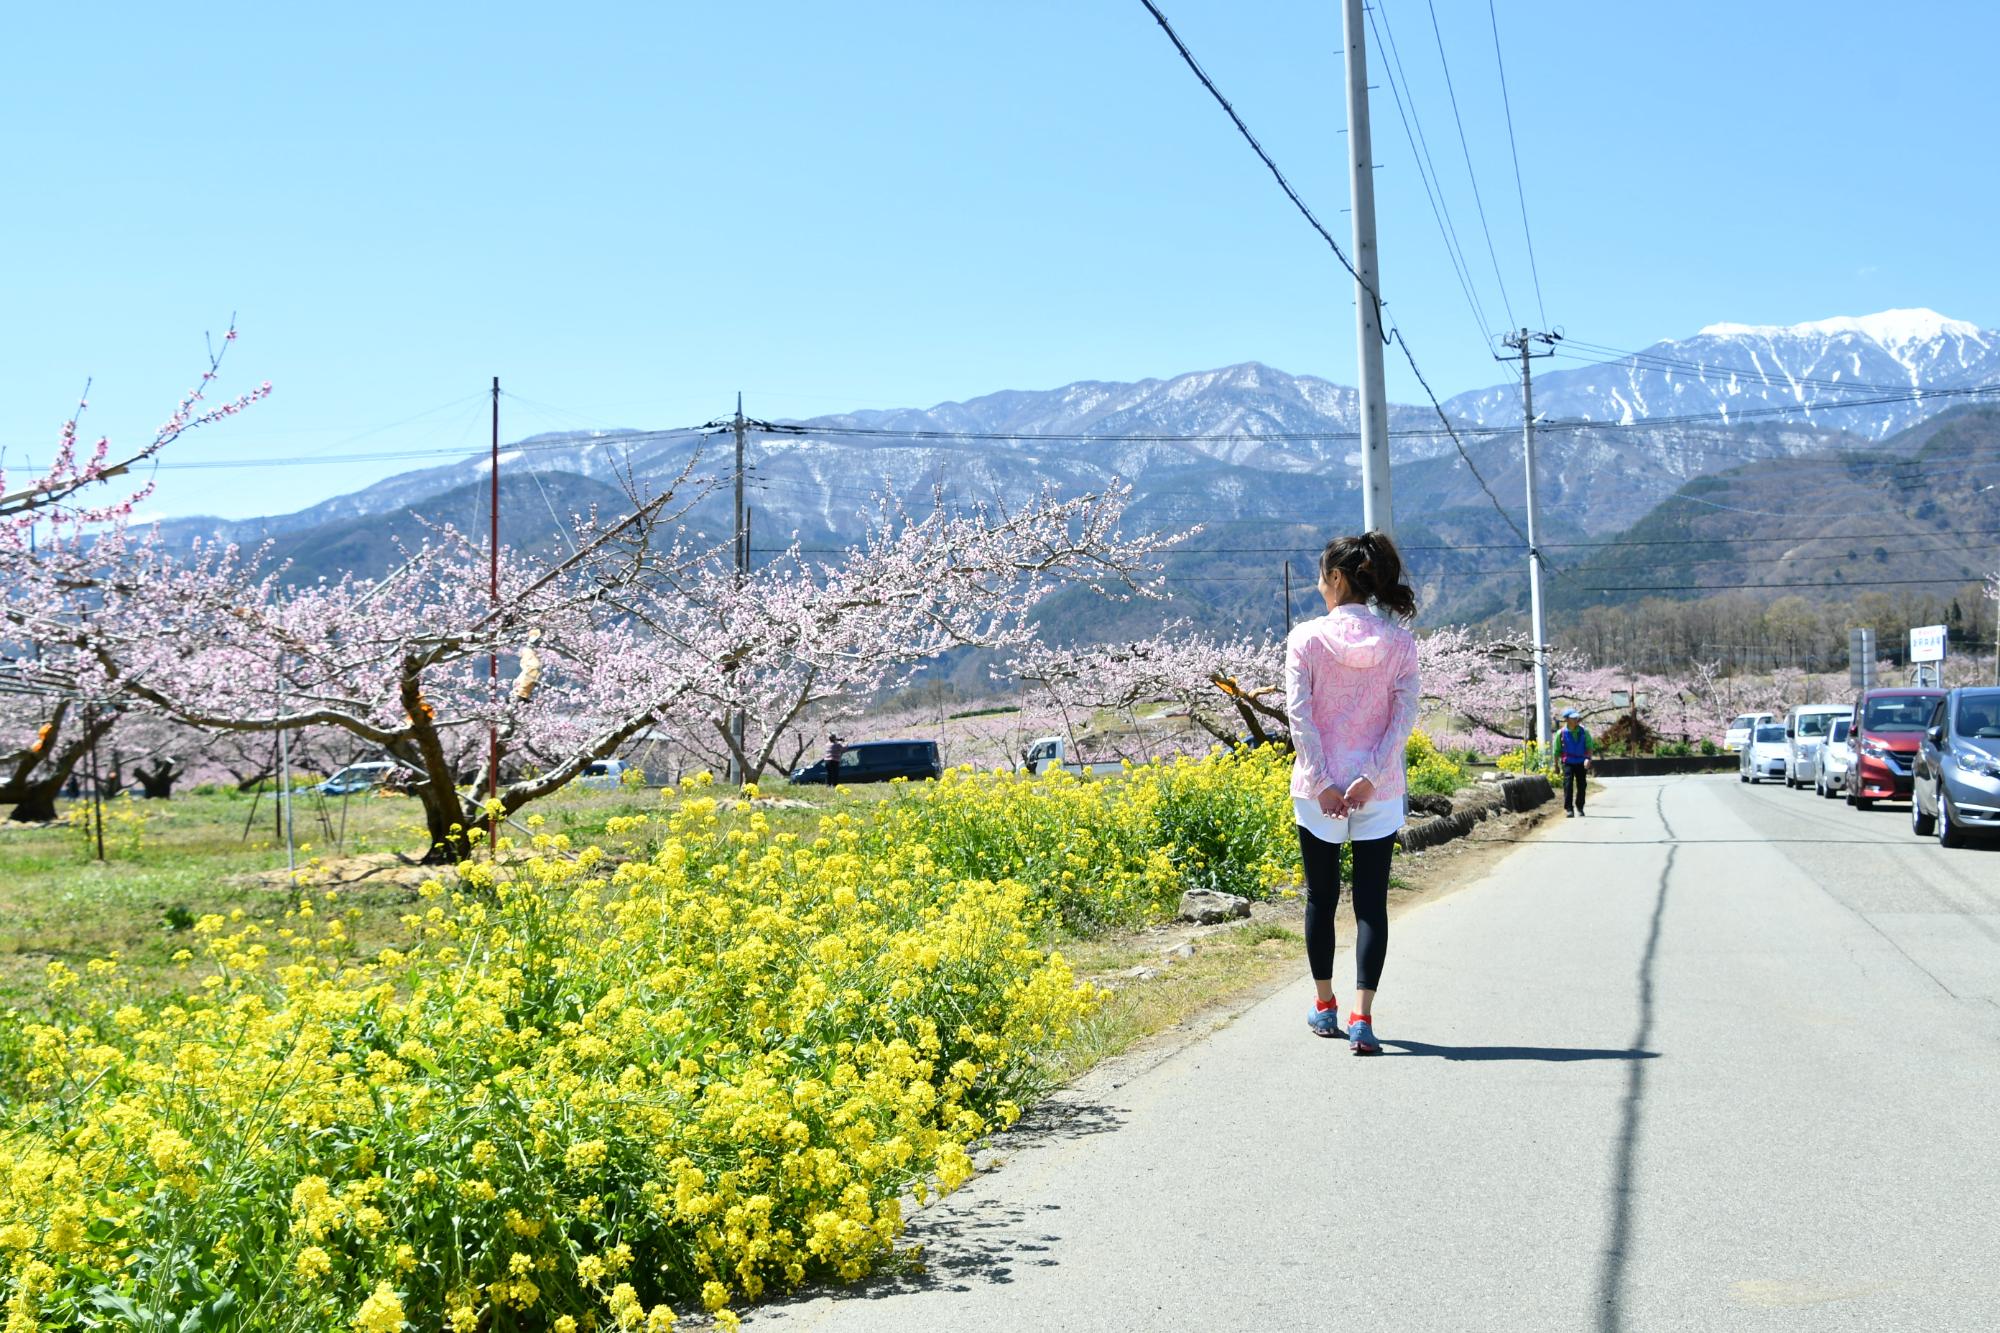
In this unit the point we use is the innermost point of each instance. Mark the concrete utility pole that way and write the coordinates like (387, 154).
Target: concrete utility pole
(1523, 343)
(1375, 509)
(493, 657)
(736, 773)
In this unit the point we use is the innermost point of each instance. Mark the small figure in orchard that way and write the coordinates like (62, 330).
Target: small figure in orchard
(835, 748)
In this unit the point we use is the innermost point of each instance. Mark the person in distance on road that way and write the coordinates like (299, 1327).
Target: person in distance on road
(1351, 699)
(1573, 749)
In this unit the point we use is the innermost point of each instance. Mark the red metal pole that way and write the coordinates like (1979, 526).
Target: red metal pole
(493, 658)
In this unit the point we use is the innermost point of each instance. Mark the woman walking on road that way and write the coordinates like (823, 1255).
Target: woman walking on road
(1351, 697)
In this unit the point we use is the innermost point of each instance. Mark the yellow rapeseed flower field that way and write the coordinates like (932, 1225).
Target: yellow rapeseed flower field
(591, 1089)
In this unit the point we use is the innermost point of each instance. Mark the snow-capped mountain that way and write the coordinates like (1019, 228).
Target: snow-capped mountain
(1244, 450)
(1870, 375)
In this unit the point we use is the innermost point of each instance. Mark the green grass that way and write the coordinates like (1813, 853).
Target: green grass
(1225, 963)
(169, 863)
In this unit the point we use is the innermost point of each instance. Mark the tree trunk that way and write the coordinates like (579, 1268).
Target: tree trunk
(445, 817)
(35, 803)
(158, 781)
(33, 788)
(445, 821)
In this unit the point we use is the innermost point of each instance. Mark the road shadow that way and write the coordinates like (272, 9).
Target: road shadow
(1704, 842)
(965, 1241)
(1612, 1270)
(1543, 1054)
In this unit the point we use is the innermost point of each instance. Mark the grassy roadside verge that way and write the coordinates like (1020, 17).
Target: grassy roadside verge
(789, 1017)
(1226, 963)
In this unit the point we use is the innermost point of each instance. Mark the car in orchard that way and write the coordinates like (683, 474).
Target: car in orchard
(1764, 755)
(1738, 734)
(361, 777)
(1955, 778)
(1805, 731)
(878, 761)
(604, 773)
(1886, 727)
(1836, 757)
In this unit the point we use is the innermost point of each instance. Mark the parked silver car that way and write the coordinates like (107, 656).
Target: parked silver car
(1764, 755)
(1836, 757)
(1955, 776)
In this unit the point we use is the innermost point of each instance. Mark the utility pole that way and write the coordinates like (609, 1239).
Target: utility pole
(1524, 343)
(737, 775)
(493, 656)
(1288, 599)
(96, 782)
(285, 770)
(1375, 508)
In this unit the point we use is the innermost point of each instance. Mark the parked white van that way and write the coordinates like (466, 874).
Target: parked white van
(1806, 728)
(1742, 729)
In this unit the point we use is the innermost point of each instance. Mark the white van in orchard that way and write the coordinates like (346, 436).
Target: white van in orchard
(1806, 728)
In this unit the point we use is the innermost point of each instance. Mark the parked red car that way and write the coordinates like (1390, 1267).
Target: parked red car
(1888, 725)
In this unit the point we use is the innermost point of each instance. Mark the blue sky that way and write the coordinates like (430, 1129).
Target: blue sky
(630, 211)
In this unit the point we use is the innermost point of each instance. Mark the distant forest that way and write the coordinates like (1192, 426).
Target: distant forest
(1746, 634)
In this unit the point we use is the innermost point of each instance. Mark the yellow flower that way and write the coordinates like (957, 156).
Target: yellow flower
(313, 1263)
(382, 1312)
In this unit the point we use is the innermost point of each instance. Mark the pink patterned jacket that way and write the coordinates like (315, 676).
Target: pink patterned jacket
(1351, 696)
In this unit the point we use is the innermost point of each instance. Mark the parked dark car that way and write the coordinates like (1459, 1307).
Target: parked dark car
(1955, 789)
(1887, 725)
(879, 761)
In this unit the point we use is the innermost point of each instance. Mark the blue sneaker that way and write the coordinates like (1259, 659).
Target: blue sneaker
(1325, 1022)
(1361, 1037)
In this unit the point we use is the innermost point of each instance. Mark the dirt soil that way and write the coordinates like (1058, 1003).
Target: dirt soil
(352, 872)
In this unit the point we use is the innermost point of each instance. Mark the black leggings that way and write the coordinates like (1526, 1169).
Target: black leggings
(1371, 905)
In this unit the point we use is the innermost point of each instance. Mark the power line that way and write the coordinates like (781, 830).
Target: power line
(1426, 171)
(1393, 332)
(1506, 104)
(1600, 570)
(1188, 57)
(1470, 174)
(405, 455)
(1595, 545)
(1596, 354)
(1722, 418)
(626, 439)
(1854, 586)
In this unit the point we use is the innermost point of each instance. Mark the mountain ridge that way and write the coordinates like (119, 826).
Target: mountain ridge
(1243, 448)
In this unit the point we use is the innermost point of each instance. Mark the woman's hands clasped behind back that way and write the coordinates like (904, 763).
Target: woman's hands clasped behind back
(1339, 804)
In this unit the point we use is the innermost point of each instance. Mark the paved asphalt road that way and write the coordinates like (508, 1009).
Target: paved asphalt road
(1717, 1057)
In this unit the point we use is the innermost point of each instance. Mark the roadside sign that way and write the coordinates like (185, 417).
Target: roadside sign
(1927, 643)
(1861, 658)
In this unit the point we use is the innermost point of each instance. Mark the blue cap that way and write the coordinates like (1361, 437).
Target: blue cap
(1569, 713)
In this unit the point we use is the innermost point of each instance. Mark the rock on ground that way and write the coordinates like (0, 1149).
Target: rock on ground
(1210, 907)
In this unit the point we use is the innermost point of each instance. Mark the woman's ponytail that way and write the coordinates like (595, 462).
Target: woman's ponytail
(1373, 568)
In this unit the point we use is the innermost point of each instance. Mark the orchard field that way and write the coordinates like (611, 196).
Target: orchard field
(669, 1051)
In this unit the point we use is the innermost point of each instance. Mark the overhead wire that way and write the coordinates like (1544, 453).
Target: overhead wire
(1426, 170)
(1598, 354)
(1507, 105)
(1391, 333)
(1471, 175)
(1734, 587)
(628, 438)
